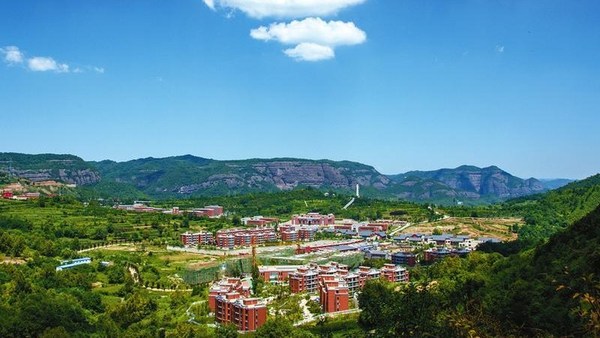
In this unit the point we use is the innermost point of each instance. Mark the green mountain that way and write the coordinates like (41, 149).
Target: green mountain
(191, 176)
(555, 183)
(188, 175)
(548, 213)
(465, 183)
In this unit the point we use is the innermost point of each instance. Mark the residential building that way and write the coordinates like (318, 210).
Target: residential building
(228, 238)
(260, 221)
(197, 238)
(366, 273)
(230, 300)
(394, 273)
(404, 258)
(276, 274)
(333, 293)
(303, 280)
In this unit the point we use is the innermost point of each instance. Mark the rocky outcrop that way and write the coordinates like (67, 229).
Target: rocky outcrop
(286, 175)
(70, 176)
(42, 167)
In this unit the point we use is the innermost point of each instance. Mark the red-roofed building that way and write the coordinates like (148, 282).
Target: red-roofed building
(333, 293)
(229, 300)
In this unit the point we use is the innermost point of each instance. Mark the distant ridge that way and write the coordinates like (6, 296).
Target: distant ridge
(467, 182)
(188, 176)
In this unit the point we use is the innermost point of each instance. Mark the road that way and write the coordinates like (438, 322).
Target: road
(395, 231)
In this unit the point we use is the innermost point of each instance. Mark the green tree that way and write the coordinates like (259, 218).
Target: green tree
(226, 331)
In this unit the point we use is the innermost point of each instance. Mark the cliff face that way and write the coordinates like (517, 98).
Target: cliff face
(72, 176)
(187, 175)
(43, 167)
(287, 175)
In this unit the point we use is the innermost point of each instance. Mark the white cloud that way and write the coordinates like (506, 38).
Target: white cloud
(210, 4)
(499, 49)
(315, 30)
(314, 38)
(12, 55)
(308, 51)
(284, 8)
(45, 64)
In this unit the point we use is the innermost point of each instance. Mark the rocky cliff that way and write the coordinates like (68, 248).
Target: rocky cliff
(63, 168)
(188, 175)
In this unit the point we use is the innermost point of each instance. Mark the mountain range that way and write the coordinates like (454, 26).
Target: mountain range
(185, 176)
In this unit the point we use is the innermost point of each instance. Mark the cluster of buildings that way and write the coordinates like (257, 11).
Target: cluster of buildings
(230, 300)
(443, 240)
(207, 211)
(333, 281)
(259, 229)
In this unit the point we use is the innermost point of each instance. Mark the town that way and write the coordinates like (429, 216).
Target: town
(332, 285)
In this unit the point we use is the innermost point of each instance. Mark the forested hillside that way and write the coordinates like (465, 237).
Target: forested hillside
(552, 290)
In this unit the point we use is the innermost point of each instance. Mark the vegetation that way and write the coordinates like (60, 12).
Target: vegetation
(552, 290)
(135, 287)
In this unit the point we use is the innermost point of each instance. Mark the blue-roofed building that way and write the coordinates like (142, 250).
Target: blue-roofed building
(404, 258)
(73, 263)
(375, 254)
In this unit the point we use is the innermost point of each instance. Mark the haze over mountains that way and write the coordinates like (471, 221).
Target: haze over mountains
(184, 176)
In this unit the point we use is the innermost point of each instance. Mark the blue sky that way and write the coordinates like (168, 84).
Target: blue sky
(400, 85)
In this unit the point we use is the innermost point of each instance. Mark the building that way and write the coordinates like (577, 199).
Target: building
(208, 211)
(366, 273)
(73, 263)
(377, 254)
(276, 274)
(394, 274)
(404, 258)
(313, 218)
(293, 233)
(439, 253)
(195, 239)
(333, 293)
(137, 207)
(229, 238)
(230, 300)
(304, 280)
(259, 221)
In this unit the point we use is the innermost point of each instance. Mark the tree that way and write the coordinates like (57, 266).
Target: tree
(279, 327)
(226, 331)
